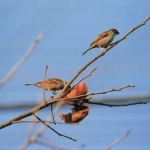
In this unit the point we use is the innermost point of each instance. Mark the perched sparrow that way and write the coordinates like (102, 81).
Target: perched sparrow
(51, 84)
(103, 40)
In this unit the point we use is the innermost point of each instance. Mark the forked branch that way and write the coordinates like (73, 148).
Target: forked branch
(59, 96)
(54, 130)
(118, 105)
(38, 121)
(118, 140)
(80, 81)
(51, 101)
(100, 55)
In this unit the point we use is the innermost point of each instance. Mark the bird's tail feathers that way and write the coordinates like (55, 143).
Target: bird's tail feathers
(30, 84)
(86, 51)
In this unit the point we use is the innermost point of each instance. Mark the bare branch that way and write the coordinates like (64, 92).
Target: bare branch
(38, 121)
(20, 62)
(32, 125)
(54, 130)
(40, 130)
(111, 90)
(43, 105)
(95, 93)
(54, 100)
(101, 54)
(118, 140)
(44, 82)
(80, 81)
(52, 114)
(25, 144)
(118, 105)
(138, 26)
(86, 76)
(44, 93)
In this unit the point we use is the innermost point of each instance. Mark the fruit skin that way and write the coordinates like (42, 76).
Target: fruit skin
(77, 115)
(79, 89)
(80, 110)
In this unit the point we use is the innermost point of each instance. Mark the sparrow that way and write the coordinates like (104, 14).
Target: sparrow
(103, 40)
(51, 84)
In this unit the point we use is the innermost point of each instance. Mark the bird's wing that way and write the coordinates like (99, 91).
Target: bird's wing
(53, 81)
(99, 37)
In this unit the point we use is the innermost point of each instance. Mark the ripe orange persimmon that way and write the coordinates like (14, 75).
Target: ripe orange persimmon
(79, 89)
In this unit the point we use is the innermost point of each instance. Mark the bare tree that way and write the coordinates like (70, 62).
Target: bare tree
(77, 100)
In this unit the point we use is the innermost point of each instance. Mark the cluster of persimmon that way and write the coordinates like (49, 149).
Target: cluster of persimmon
(80, 110)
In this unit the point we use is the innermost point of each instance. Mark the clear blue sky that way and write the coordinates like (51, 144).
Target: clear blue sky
(70, 26)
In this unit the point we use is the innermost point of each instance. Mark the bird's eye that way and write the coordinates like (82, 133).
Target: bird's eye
(116, 32)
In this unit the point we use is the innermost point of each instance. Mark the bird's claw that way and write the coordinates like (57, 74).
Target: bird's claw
(112, 44)
(103, 52)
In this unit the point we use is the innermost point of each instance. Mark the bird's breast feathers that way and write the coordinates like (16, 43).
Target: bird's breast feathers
(106, 40)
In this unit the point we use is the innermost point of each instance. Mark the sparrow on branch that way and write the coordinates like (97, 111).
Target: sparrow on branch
(103, 40)
(51, 84)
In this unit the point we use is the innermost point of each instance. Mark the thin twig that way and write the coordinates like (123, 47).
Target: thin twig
(124, 37)
(44, 143)
(52, 114)
(117, 105)
(55, 130)
(80, 81)
(25, 144)
(98, 56)
(44, 93)
(43, 89)
(20, 62)
(118, 140)
(95, 93)
(40, 130)
(38, 121)
(32, 125)
(30, 129)
(86, 76)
